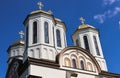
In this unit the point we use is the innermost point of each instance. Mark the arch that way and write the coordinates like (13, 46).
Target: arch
(96, 46)
(59, 56)
(82, 65)
(13, 53)
(86, 43)
(51, 54)
(74, 60)
(45, 53)
(38, 53)
(27, 36)
(67, 62)
(84, 61)
(89, 66)
(58, 38)
(74, 63)
(32, 53)
(46, 32)
(34, 32)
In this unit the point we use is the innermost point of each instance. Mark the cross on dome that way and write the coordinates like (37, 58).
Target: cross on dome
(82, 20)
(40, 5)
(21, 33)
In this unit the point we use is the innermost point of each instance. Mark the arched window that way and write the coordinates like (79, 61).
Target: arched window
(89, 66)
(38, 53)
(77, 43)
(74, 63)
(32, 53)
(82, 65)
(86, 43)
(35, 32)
(27, 36)
(46, 32)
(96, 45)
(58, 38)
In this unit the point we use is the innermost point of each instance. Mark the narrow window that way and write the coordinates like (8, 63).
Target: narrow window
(82, 65)
(74, 63)
(77, 43)
(27, 37)
(58, 38)
(96, 45)
(46, 32)
(86, 43)
(34, 32)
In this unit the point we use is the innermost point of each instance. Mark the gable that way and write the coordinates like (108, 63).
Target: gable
(70, 54)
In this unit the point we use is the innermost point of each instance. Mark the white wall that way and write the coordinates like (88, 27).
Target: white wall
(46, 72)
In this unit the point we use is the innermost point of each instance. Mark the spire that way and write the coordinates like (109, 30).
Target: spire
(40, 5)
(82, 20)
(21, 33)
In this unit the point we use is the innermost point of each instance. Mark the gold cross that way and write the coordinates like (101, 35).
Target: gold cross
(82, 20)
(40, 5)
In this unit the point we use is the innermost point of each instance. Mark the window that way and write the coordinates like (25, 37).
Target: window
(74, 63)
(96, 45)
(86, 43)
(46, 32)
(58, 38)
(77, 43)
(27, 36)
(35, 32)
(82, 65)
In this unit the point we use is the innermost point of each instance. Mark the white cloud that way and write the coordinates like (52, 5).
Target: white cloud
(100, 18)
(107, 14)
(119, 24)
(109, 2)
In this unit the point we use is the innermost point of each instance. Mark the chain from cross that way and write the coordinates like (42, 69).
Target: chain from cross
(40, 5)
(82, 20)
(21, 33)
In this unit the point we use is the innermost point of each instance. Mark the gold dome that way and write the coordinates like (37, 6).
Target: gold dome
(18, 43)
(84, 26)
(41, 11)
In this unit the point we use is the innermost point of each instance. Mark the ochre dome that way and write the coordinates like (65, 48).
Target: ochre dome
(20, 42)
(84, 26)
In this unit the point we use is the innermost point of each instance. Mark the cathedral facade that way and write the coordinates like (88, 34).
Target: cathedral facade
(44, 52)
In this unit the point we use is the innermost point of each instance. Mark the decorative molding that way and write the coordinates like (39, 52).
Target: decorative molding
(32, 76)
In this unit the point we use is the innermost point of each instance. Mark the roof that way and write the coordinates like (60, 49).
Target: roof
(16, 43)
(41, 11)
(84, 26)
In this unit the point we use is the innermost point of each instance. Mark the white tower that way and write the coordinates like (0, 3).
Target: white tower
(16, 50)
(45, 35)
(87, 37)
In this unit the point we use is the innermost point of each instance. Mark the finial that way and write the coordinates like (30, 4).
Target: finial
(40, 5)
(50, 12)
(82, 20)
(21, 33)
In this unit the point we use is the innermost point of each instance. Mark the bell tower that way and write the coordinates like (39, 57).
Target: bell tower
(45, 35)
(87, 37)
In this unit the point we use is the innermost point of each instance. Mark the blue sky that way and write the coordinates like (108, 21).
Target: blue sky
(102, 14)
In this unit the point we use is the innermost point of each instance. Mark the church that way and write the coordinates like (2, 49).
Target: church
(44, 52)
